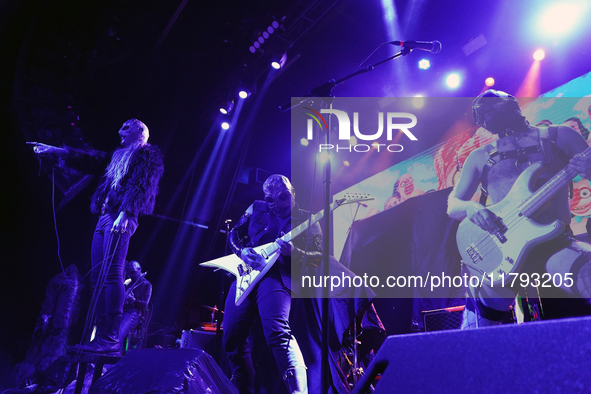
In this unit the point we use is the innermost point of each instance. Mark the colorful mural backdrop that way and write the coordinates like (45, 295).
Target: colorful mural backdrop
(439, 167)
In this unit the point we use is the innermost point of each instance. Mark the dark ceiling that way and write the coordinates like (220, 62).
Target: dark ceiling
(73, 71)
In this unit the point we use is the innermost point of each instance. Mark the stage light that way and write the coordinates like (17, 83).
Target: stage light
(539, 54)
(346, 163)
(375, 145)
(245, 85)
(561, 18)
(243, 91)
(228, 107)
(353, 140)
(453, 80)
(225, 125)
(424, 64)
(490, 81)
(278, 60)
(323, 157)
(304, 142)
(418, 101)
(260, 35)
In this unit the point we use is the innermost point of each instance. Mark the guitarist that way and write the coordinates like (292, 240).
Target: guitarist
(138, 292)
(496, 167)
(264, 222)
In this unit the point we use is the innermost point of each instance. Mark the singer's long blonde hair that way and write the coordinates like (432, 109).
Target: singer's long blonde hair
(121, 159)
(119, 165)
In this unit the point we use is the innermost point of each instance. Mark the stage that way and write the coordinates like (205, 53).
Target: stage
(234, 92)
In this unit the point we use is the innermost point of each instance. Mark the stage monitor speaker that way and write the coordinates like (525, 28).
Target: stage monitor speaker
(164, 371)
(199, 339)
(537, 357)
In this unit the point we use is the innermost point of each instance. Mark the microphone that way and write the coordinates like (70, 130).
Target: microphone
(430, 46)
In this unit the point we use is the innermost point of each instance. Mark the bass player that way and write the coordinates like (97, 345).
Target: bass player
(496, 167)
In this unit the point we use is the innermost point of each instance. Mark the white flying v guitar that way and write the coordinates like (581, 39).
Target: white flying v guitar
(246, 276)
(496, 255)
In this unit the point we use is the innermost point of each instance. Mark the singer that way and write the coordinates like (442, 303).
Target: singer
(127, 189)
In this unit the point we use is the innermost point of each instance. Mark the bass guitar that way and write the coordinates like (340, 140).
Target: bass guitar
(246, 276)
(494, 256)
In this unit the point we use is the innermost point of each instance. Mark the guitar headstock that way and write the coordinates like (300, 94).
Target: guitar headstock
(349, 198)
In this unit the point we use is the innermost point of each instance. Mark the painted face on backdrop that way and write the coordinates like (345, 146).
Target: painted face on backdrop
(133, 132)
(279, 195)
(392, 201)
(406, 185)
(574, 125)
(544, 123)
(580, 204)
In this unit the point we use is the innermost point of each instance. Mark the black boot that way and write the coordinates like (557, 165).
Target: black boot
(100, 324)
(107, 339)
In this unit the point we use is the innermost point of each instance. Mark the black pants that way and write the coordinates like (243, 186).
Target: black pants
(108, 254)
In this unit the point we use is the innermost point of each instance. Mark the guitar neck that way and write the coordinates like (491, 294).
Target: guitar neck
(549, 189)
(347, 199)
(272, 247)
(304, 226)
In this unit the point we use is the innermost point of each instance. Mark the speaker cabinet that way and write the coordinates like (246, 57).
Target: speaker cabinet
(537, 357)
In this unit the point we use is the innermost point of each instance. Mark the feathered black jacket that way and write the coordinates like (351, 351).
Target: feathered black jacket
(137, 190)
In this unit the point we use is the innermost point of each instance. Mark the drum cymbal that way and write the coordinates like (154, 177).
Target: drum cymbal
(211, 308)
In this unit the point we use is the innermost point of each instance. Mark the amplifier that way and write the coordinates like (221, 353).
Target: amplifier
(443, 319)
(198, 339)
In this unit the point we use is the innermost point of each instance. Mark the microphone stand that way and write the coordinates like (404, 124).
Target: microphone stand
(325, 91)
(219, 311)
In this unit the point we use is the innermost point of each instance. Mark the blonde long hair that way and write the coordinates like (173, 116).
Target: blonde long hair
(119, 165)
(121, 159)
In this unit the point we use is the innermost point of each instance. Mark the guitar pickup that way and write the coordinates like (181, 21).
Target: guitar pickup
(474, 253)
(502, 229)
(501, 237)
(242, 271)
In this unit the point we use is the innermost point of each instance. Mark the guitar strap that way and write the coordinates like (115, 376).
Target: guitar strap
(550, 148)
(492, 152)
(546, 146)
(547, 143)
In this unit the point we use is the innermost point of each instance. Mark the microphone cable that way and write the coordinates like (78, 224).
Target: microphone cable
(57, 235)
